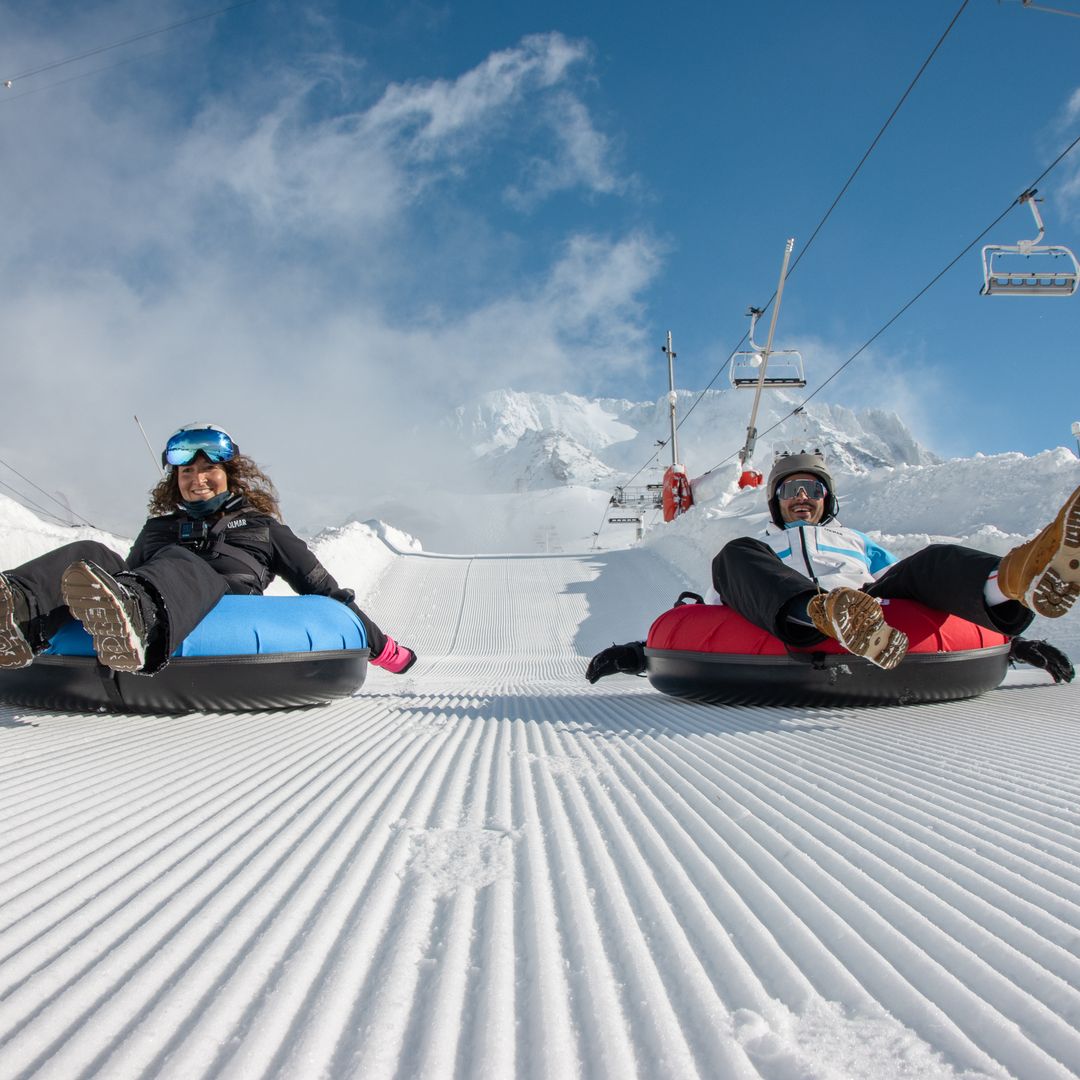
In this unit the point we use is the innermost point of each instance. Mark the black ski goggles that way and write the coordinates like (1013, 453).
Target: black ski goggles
(811, 489)
(215, 444)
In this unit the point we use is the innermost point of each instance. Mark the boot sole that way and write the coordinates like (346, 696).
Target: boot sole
(862, 630)
(1055, 589)
(15, 651)
(101, 612)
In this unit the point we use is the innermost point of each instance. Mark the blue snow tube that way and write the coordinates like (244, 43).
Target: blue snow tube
(248, 653)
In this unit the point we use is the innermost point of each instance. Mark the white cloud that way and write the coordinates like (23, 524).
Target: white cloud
(1066, 185)
(257, 261)
(436, 115)
(361, 171)
(293, 177)
(1072, 108)
(580, 158)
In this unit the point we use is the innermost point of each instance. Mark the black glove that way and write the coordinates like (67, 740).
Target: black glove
(628, 658)
(1042, 654)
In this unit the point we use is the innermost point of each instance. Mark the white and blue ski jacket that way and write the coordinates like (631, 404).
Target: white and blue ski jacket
(831, 555)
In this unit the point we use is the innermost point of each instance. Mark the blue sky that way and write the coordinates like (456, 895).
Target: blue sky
(326, 225)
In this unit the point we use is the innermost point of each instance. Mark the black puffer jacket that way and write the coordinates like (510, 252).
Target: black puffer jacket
(249, 551)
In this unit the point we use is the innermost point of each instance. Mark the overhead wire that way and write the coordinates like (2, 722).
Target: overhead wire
(832, 207)
(24, 500)
(37, 487)
(8, 98)
(817, 229)
(926, 288)
(843, 190)
(126, 41)
(8, 82)
(877, 138)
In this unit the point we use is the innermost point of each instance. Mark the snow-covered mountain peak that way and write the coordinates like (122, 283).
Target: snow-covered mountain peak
(528, 441)
(500, 418)
(541, 459)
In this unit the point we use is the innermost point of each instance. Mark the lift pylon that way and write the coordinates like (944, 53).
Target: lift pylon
(750, 477)
(677, 494)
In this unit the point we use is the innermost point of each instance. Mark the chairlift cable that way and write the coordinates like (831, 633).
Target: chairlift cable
(6, 99)
(727, 364)
(47, 495)
(663, 443)
(817, 229)
(603, 522)
(933, 281)
(28, 503)
(1053, 165)
(127, 41)
(881, 330)
(926, 288)
(877, 137)
(847, 183)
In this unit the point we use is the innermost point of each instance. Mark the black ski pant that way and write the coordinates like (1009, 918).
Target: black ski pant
(750, 577)
(183, 587)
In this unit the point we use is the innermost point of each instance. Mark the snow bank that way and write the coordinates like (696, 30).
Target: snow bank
(25, 536)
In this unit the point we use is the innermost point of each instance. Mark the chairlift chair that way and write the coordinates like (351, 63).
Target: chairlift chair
(784, 369)
(1046, 270)
(641, 497)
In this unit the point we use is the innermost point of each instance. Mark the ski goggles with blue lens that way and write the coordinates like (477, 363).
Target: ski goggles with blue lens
(813, 489)
(182, 447)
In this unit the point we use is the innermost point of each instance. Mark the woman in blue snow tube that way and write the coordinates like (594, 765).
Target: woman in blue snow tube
(216, 529)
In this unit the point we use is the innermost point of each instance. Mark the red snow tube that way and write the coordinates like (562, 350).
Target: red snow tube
(710, 653)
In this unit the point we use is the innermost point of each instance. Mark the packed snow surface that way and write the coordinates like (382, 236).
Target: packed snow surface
(487, 868)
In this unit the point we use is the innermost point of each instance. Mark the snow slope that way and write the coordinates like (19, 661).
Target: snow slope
(488, 868)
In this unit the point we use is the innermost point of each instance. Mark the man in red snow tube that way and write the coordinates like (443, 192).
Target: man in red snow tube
(810, 578)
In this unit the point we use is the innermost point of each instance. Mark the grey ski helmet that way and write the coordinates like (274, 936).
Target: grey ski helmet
(807, 461)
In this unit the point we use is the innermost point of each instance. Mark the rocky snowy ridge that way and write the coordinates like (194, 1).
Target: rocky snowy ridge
(529, 441)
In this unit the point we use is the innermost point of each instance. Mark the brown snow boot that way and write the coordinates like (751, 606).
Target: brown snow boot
(111, 613)
(15, 650)
(855, 620)
(1044, 573)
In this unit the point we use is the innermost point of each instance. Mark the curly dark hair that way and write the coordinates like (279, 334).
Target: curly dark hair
(244, 477)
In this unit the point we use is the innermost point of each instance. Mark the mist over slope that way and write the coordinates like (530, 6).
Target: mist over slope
(539, 469)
